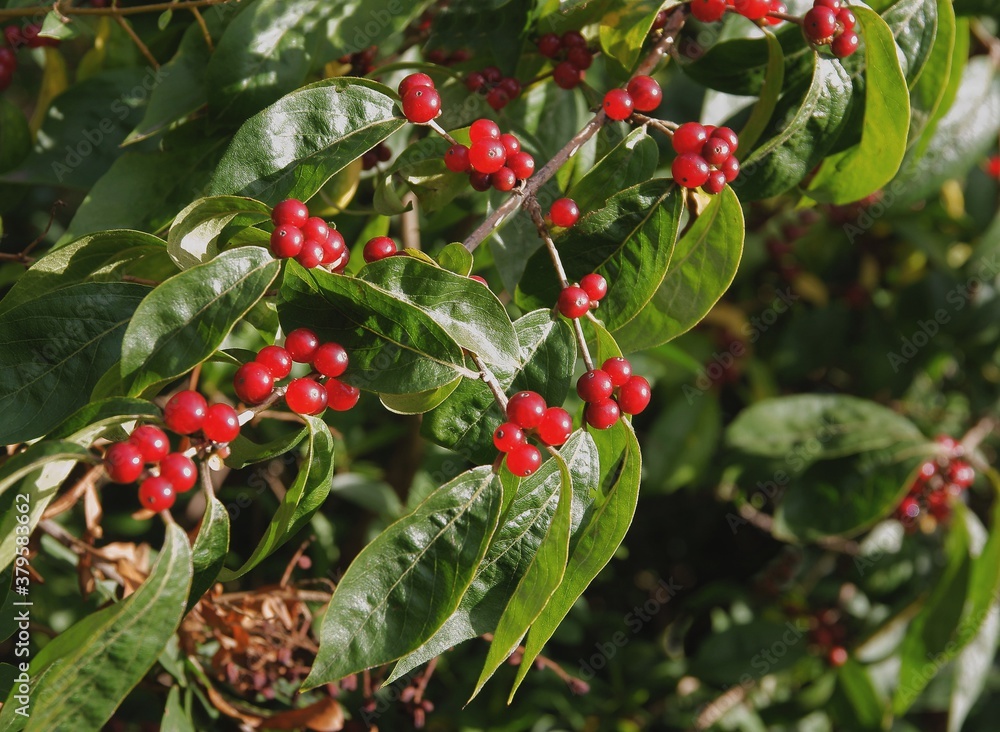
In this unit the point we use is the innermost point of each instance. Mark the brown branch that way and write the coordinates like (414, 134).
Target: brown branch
(579, 686)
(765, 523)
(720, 707)
(111, 10)
(143, 48)
(204, 29)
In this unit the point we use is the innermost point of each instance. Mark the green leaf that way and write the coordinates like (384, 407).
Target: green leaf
(802, 131)
(631, 161)
(864, 168)
(175, 718)
(914, 26)
(420, 402)
(82, 676)
(594, 544)
(56, 347)
(682, 442)
(703, 266)
(523, 525)
(196, 229)
(725, 657)
(395, 347)
(24, 463)
(424, 563)
(93, 419)
(931, 87)
(456, 258)
(15, 136)
(541, 579)
(292, 148)
(770, 92)
(301, 500)
(244, 452)
(184, 320)
(855, 687)
(623, 31)
(629, 241)
(208, 555)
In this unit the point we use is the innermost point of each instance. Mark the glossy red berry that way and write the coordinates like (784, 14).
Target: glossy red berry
(492, 74)
(480, 181)
(123, 462)
(961, 474)
(301, 345)
(276, 360)
(522, 164)
(556, 426)
(504, 179)
(581, 57)
(819, 24)
(564, 212)
(333, 248)
(510, 86)
(180, 471)
(634, 395)
(524, 460)
(725, 133)
(716, 151)
(549, 45)
(487, 155)
(305, 396)
(775, 6)
(152, 442)
(185, 412)
(690, 137)
(421, 104)
(566, 75)
(414, 80)
(378, 248)
(526, 409)
(752, 9)
(222, 424)
(330, 359)
(311, 254)
(847, 19)
(156, 494)
(253, 382)
(286, 241)
(594, 386)
(484, 129)
(457, 159)
(340, 396)
(837, 656)
(845, 44)
(603, 414)
(618, 370)
(645, 92)
(290, 212)
(497, 98)
(690, 170)
(731, 169)
(510, 143)
(573, 302)
(508, 436)
(595, 286)
(708, 11)
(715, 183)
(834, 5)
(474, 81)
(618, 104)
(316, 228)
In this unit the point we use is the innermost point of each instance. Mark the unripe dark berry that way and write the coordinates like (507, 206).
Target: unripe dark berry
(508, 436)
(340, 396)
(379, 247)
(414, 80)
(474, 81)
(573, 39)
(549, 45)
(457, 159)
(492, 74)
(690, 170)
(603, 414)
(522, 164)
(305, 396)
(156, 494)
(634, 395)
(221, 424)
(123, 462)
(690, 137)
(484, 129)
(185, 412)
(645, 92)
(311, 254)
(152, 442)
(487, 155)
(581, 57)
(497, 98)
(330, 359)
(480, 181)
(421, 104)
(286, 241)
(564, 212)
(708, 11)
(618, 104)
(845, 44)
(301, 345)
(180, 471)
(253, 383)
(595, 286)
(556, 426)
(290, 212)
(275, 359)
(573, 302)
(526, 409)
(566, 75)
(594, 386)
(511, 86)
(524, 460)
(618, 369)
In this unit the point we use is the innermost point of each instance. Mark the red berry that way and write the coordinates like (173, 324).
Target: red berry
(581, 57)
(333, 248)
(474, 81)
(13, 36)
(330, 359)
(716, 151)
(222, 424)
(487, 156)
(595, 286)
(837, 656)
(492, 74)
(634, 395)
(549, 45)
(927, 470)
(819, 24)
(845, 44)
(253, 382)
(909, 508)
(286, 241)
(618, 104)
(497, 98)
(480, 181)
(342, 397)
(645, 92)
(290, 212)
(566, 75)
(834, 5)
(524, 460)
(690, 137)
(594, 386)
(526, 409)
(484, 129)
(436, 56)
(511, 86)
(522, 164)
(949, 443)
(556, 426)
(731, 169)
(573, 302)
(305, 396)
(603, 414)
(180, 471)
(457, 158)
(421, 104)
(311, 254)
(156, 494)
(775, 6)
(316, 228)
(847, 19)
(378, 248)
(301, 345)
(690, 170)
(618, 369)
(564, 212)
(152, 442)
(510, 143)
(724, 133)
(504, 179)
(341, 264)
(508, 436)
(661, 20)
(573, 39)
(961, 473)
(715, 183)
(414, 80)
(123, 462)
(752, 9)
(708, 11)
(276, 360)
(185, 412)
(8, 58)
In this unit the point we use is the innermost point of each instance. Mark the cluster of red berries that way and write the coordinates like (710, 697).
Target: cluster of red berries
(711, 11)
(420, 100)
(492, 159)
(171, 472)
(705, 156)
(938, 483)
(500, 90)
(13, 39)
(576, 301)
(611, 391)
(573, 56)
(642, 94)
(445, 58)
(309, 240)
(378, 154)
(254, 382)
(829, 634)
(831, 22)
(527, 414)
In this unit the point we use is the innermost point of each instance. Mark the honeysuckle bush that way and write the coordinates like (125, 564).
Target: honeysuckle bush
(798, 532)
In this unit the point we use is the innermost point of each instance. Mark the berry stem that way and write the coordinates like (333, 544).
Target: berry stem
(491, 381)
(581, 339)
(541, 177)
(433, 124)
(786, 17)
(535, 211)
(667, 128)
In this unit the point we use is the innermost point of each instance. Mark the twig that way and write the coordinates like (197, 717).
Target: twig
(81, 548)
(667, 128)
(411, 222)
(111, 10)
(491, 381)
(535, 211)
(441, 131)
(143, 48)
(578, 685)
(721, 706)
(581, 341)
(204, 29)
(765, 523)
